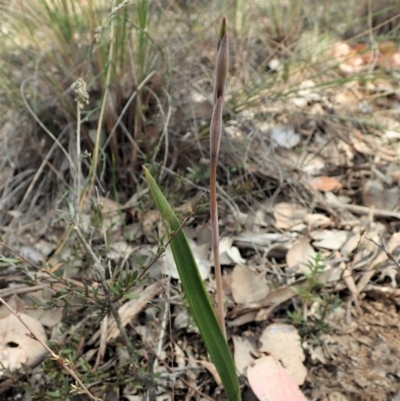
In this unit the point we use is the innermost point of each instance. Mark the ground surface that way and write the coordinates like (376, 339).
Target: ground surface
(309, 194)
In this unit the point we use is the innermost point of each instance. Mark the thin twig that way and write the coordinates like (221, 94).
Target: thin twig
(363, 210)
(37, 119)
(186, 221)
(163, 329)
(126, 107)
(383, 248)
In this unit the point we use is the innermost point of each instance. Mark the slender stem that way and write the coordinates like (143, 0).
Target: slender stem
(215, 241)
(221, 72)
(79, 166)
(95, 156)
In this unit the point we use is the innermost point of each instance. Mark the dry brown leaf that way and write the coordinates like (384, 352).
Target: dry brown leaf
(212, 369)
(243, 350)
(300, 254)
(16, 345)
(284, 343)
(317, 220)
(119, 250)
(149, 222)
(349, 98)
(283, 294)
(340, 50)
(351, 244)
(310, 166)
(111, 213)
(31, 254)
(16, 303)
(247, 287)
(361, 57)
(228, 253)
(271, 382)
(288, 215)
(374, 194)
(359, 144)
(329, 239)
(351, 285)
(180, 357)
(132, 308)
(393, 243)
(47, 317)
(325, 184)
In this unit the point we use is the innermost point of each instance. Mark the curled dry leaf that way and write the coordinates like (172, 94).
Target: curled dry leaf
(228, 253)
(16, 346)
(211, 368)
(270, 381)
(284, 343)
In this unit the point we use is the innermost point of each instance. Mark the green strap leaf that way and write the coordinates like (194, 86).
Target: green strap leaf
(199, 301)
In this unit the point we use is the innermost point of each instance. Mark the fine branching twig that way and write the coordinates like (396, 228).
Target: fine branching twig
(64, 363)
(382, 247)
(99, 275)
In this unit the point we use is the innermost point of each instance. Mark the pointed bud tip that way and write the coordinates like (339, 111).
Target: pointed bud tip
(223, 29)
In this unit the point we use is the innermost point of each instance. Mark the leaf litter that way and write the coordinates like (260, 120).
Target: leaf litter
(335, 189)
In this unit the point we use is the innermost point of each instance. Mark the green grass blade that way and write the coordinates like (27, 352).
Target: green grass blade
(197, 296)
